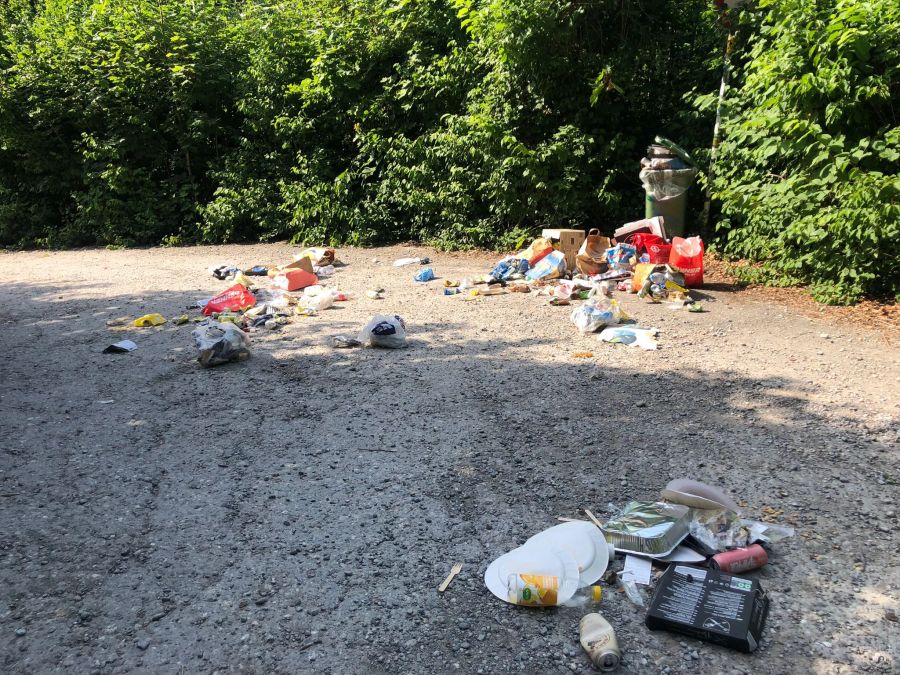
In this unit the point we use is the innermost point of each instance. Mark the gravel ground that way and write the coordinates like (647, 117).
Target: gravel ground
(296, 512)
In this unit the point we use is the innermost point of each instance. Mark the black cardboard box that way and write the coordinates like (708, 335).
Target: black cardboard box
(710, 605)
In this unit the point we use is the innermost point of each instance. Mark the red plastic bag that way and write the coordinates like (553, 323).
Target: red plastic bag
(234, 299)
(654, 245)
(687, 257)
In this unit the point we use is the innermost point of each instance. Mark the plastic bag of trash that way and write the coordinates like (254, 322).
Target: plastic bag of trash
(667, 183)
(385, 331)
(686, 257)
(220, 343)
(596, 313)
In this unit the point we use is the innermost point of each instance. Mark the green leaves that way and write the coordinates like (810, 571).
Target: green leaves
(808, 175)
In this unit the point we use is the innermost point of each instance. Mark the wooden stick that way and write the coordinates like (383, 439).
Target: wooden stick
(593, 518)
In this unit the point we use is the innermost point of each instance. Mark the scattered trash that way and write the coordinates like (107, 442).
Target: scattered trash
(621, 257)
(319, 256)
(149, 320)
(596, 313)
(276, 322)
(181, 320)
(257, 271)
(709, 605)
(121, 347)
(658, 282)
(582, 355)
(220, 343)
(385, 331)
(599, 640)
(454, 570)
(633, 337)
(375, 294)
(426, 274)
(344, 342)
(119, 322)
(696, 308)
(403, 262)
(223, 272)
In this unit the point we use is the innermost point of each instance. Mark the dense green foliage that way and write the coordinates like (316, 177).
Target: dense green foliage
(462, 123)
(809, 174)
(459, 122)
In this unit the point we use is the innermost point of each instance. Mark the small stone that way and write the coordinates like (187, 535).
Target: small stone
(142, 644)
(640, 404)
(20, 632)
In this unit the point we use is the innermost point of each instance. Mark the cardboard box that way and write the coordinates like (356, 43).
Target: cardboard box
(567, 241)
(655, 225)
(294, 279)
(304, 264)
(710, 605)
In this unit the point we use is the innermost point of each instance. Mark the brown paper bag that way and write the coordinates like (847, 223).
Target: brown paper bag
(591, 258)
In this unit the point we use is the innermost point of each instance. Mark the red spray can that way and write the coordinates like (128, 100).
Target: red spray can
(740, 560)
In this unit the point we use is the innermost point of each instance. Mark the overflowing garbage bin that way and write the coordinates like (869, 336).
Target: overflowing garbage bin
(666, 173)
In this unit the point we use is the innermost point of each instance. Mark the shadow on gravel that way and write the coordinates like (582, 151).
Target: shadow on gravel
(295, 512)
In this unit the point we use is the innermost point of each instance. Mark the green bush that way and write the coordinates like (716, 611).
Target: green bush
(457, 122)
(110, 117)
(808, 173)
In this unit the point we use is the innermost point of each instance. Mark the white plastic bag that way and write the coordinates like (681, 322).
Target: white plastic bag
(317, 298)
(596, 313)
(385, 331)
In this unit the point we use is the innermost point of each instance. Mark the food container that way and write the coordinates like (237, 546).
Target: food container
(648, 528)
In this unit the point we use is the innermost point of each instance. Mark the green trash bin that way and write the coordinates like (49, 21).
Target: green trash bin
(666, 173)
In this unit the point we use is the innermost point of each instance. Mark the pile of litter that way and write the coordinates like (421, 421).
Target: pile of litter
(267, 297)
(584, 270)
(688, 549)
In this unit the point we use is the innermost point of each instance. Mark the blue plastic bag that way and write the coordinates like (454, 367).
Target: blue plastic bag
(425, 275)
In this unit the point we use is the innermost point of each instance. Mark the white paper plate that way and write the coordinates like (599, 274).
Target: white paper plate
(583, 541)
(533, 560)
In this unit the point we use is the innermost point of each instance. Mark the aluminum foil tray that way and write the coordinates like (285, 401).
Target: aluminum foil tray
(651, 528)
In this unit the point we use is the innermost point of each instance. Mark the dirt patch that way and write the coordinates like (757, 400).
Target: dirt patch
(297, 511)
(882, 316)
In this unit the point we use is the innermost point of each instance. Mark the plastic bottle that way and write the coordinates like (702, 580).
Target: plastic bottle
(542, 590)
(599, 640)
